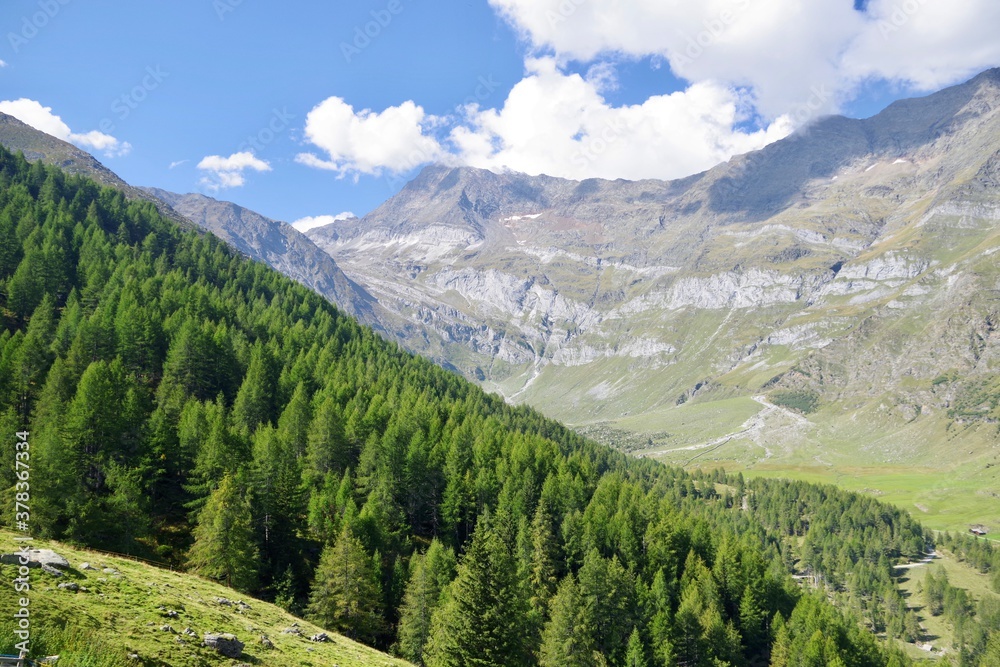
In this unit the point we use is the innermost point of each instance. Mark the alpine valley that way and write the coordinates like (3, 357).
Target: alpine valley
(826, 308)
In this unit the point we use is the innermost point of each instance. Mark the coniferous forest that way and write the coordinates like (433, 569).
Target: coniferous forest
(196, 408)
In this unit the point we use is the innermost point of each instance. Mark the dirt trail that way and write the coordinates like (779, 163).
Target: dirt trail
(755, 429)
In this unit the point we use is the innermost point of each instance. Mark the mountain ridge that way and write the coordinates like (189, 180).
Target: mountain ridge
(823, 263)
(277, 244)
(16, 136)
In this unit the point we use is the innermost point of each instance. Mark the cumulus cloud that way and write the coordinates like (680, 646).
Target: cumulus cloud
(369, 142)
(559, 124)
(41, 118)
(312, 222)
(927, 44)
(782, 50)
(227, 172)
(755, 70)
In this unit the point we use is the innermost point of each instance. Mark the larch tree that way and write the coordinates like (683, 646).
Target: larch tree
(567, 640)
(482, 622)
(224, 546)
(430, 573)
(345, 594)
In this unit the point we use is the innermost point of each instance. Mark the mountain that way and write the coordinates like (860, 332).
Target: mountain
(277, 244)
(36, 145)
(180, 402)
(274, 243)
(846, 272)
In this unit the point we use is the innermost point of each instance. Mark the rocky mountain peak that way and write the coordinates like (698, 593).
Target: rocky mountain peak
(797, 266)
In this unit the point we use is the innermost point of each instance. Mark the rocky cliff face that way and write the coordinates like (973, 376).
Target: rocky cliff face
(278, 245)
(826, 262)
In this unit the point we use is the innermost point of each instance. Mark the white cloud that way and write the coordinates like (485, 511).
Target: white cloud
(369, 142)
(927, 44)
(227, 172)
(177, 163)
(770, 65)
(41, 118)
(782, 50)
(560, 125)
(2, 64)
(312, 222)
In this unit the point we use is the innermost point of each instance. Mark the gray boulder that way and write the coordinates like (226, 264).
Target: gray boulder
(226, 644)
(36, 558)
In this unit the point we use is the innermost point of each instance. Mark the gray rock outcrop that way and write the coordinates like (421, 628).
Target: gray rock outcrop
(226, 644)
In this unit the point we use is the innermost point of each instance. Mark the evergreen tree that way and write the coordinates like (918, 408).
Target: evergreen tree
(430, 574)
(293, 425)
(223, 539)
(608, 592)
(327, 449)
(544, 557)
(781, 648)
(481, 623)
(345, 594)
(254, 404)
(635, 654)
(567, 640)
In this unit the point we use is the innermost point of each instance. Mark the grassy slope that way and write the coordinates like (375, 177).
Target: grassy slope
(123, 612)
(945, 475)
(938, 632)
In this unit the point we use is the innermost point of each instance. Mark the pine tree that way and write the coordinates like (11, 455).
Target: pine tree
(94, 425)
(293, 425)
(33, 356)
(254, 405)
(223, 539)
(278, 504)
(327, 449)
(635, 655)
(991, 655)
(566, 640)
(481, 623)
(544, 557)
(752, 617)
(782, 647)
(346, 595)
(659, 607)
(608, 592)
(26, 287)
(430, 573)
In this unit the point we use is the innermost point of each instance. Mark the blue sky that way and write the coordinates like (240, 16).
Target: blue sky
(264, 103)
